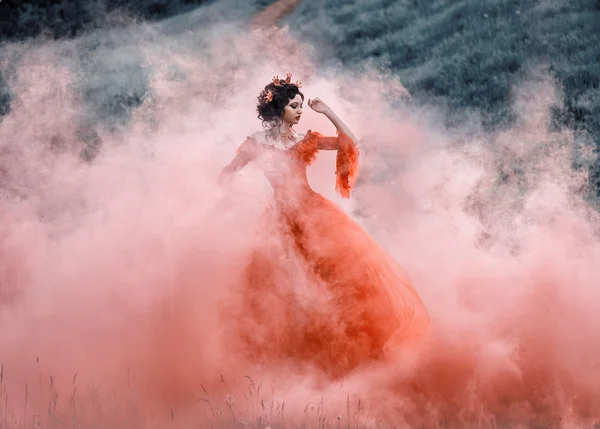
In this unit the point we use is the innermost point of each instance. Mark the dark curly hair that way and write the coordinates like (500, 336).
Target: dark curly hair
(270, 107)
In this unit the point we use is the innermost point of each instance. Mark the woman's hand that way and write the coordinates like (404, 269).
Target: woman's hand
(318, 106)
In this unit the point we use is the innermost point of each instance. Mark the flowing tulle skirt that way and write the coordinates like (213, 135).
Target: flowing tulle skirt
(318, 290)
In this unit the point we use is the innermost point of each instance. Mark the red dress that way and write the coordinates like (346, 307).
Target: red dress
(318, 289)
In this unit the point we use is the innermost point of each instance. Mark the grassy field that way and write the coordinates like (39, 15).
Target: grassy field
(69, 18)
(465, 55)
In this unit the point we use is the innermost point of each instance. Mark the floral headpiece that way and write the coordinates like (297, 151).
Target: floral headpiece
(267, 96)
(288, 80)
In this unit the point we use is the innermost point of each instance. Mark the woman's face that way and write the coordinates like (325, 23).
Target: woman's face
(293, 111)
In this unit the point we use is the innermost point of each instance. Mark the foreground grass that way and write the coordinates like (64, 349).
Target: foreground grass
(88, 406)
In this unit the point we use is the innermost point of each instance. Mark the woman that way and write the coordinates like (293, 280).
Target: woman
(318, 289)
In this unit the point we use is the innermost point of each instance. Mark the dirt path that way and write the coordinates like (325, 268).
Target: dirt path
(274, 13)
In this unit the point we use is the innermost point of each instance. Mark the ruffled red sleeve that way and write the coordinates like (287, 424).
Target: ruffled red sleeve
(307, 150)
(347, 163)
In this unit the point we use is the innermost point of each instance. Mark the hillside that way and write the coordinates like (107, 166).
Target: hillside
(466, 54)
(462, 55)
(101, 40)
(20, 20)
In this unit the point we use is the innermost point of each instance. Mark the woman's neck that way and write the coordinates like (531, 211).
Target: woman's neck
(283, 133)
(283, 136)
(284, 128)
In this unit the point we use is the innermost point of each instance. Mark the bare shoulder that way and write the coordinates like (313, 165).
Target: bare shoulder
(300, 136)
(260, 137)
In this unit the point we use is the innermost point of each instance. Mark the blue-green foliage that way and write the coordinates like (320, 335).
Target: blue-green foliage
(462, 54)
(467, 54)
(112, 74)
(68, 18)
